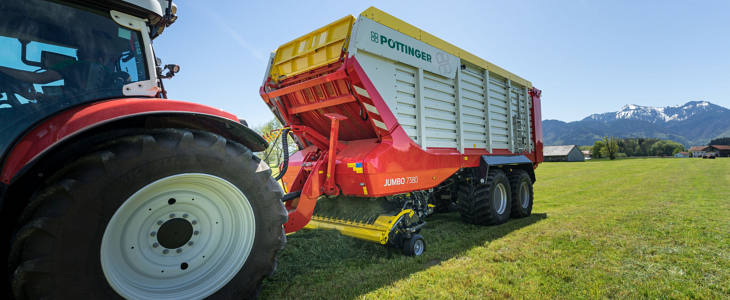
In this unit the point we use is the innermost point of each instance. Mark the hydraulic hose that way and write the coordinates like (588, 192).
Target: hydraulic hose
(285, 148)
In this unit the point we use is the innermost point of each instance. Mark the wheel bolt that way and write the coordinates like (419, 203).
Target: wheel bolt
(185, 216)
(196, 232)
(159, 222)
(165, 251)
(153, 233)
(190, 243)
(172, 216)
(155, 245)
(178, 250)
(194, 222)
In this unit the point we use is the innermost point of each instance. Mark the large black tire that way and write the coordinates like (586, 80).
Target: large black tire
(476, 201)
(55, 253)
(522, 195)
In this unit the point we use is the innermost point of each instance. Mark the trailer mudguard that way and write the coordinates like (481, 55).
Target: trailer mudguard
(506, 161)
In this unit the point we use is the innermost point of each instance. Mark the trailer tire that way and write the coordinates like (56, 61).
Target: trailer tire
(522, 194)
(84, 234)
(486, 203)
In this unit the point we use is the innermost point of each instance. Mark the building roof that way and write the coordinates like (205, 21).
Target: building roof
(585, 152)
(697, 148)
(721, 147)
(557, 150)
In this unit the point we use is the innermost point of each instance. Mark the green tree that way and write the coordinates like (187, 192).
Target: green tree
(720, 141)
(611, 147)
(596, 149)
(645, 146)
(666, 148)
(630, 147)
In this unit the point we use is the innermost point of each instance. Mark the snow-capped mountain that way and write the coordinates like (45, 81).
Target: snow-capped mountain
(694, 123)
(658, 114)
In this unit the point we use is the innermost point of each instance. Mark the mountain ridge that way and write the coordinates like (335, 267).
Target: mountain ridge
(693, 123)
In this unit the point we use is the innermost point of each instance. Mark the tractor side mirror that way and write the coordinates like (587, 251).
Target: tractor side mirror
(172, 69)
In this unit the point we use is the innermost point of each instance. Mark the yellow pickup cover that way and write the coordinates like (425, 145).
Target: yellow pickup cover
(310, 51)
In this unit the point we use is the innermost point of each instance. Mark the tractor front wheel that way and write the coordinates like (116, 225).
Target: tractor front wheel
(158, 214)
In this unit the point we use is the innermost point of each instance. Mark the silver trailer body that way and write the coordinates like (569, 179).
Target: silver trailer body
(443, 100)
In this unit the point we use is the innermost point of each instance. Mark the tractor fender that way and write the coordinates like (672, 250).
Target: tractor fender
(73, 122)
(43, 146)
(506, 162)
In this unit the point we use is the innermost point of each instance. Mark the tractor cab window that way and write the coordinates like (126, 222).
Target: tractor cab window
(55, 56)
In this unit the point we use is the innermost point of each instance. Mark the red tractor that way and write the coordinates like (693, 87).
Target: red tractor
(107, 189)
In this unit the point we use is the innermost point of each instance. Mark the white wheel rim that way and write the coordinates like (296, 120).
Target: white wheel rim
(500, 198)
(220, 216)
(525, 193)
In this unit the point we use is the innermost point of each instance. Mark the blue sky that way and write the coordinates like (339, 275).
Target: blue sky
(587, 56)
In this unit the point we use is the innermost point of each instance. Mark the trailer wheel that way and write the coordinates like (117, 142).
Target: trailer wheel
(414, 246)
(522, 195)
(158, 214)
(488, 203)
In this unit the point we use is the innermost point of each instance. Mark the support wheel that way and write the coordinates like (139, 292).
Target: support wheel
(151, 214)
(414, 246)
(487, 203)
(522, 195)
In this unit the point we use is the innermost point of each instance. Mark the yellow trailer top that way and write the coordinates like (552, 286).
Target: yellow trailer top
(324, 45)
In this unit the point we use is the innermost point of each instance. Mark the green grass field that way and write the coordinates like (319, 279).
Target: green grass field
(633, 228)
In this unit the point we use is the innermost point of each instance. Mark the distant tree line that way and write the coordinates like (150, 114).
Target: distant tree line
(612, 147)
(720, 141)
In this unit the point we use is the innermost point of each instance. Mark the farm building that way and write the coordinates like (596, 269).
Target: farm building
(682, 154)
(719, 150)
(563, 153)
(697, 151)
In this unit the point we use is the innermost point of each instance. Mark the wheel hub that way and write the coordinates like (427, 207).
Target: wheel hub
(500, 198)
(418, 247)
(525, 193)
(175, 233)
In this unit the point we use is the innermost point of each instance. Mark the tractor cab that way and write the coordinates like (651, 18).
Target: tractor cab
(57, 55)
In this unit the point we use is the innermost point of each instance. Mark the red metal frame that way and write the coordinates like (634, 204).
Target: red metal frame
(364, 155)
(536, 117)
(72, 121)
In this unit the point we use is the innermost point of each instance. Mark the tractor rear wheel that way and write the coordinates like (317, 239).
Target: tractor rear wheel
(485, 203)
(154, 214)
(522, 194)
